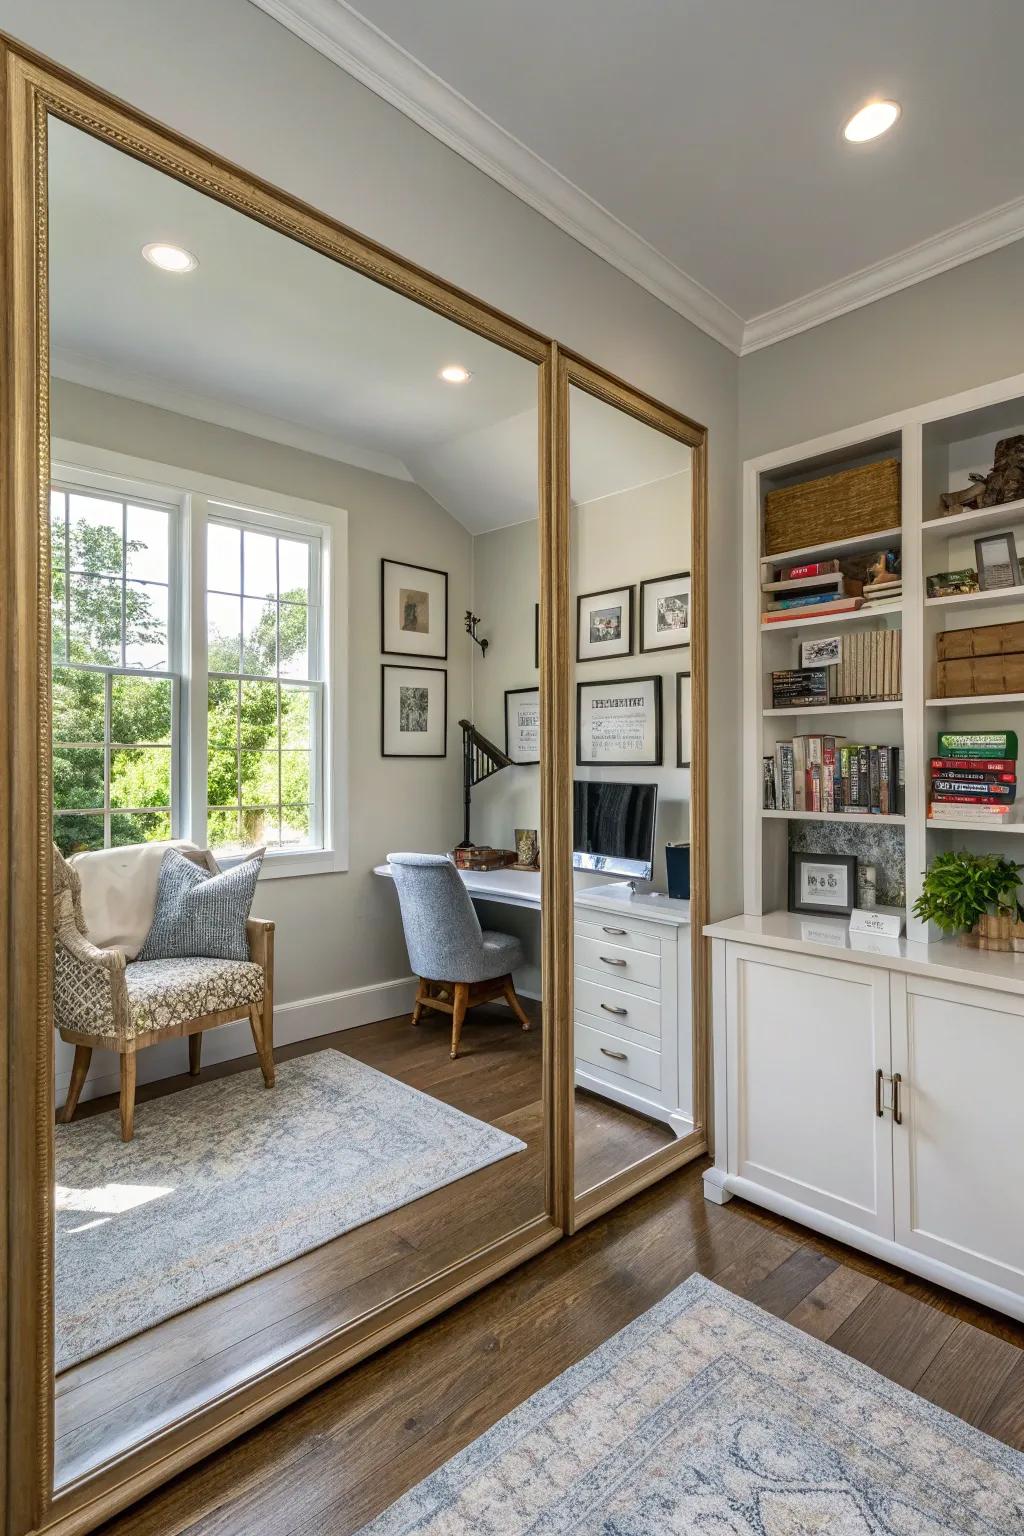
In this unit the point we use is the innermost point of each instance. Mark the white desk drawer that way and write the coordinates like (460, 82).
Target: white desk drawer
(607, 930)
(618, 962)
(613, 1009)
(624, 1057)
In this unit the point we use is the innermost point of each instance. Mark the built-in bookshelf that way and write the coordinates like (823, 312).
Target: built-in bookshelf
(938, 446)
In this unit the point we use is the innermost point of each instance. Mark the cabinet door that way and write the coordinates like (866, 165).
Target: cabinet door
(959, 1152)
(806, 1039)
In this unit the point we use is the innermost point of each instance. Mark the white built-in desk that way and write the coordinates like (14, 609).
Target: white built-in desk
(632, 1010)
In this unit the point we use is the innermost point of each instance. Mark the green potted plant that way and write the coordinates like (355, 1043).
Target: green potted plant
(974, 894)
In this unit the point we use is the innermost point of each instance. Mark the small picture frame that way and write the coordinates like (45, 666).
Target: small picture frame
(666, 612)
(684, 729)
(413, 711)
(522, 724)
(820, 653)
(413, 610)
(619, 723)
(604, 624)
(823, 884)
(998, 566)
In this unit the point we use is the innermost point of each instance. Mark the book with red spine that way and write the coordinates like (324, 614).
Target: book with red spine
(967, 776)
(815, 568)
(817, 610)
(974, 765)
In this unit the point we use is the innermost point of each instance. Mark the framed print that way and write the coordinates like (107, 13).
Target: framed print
(997, 562)
(413, 711)
(619, 723)
(820, 653)
(665, 612)
(823, 883)
(683, 721)
(522, 724)
(604, 624)
(413, 610)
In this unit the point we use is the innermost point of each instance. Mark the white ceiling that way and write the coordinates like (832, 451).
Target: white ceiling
(698, 145)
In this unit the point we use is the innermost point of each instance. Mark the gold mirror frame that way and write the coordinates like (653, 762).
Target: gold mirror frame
(35, 90)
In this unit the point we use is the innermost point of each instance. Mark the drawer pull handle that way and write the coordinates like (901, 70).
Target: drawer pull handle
(879, 1080)
(611, 1008)
(609, 961)
(897, 1098)
(618, 933)
(615, 1055)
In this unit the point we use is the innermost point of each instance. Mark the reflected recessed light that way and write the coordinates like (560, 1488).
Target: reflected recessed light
(876, 118)
(169, 258)
(455, 374)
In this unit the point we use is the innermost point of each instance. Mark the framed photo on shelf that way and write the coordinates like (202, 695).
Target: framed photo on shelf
(604, 624)
(665, 612)
(522, 724)
(998, 565)
(824, 884)
(683, 719)
(619, 723)
(413, 610)
(413, 711)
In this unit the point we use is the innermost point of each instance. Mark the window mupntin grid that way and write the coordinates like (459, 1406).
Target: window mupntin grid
(265, 721)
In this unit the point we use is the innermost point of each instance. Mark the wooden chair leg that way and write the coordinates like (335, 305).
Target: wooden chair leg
(509, 990)
(127, 1095)
(195, 1053)
(263, 1051)
(458, 1014)
(421, 1000)
(83, 1056)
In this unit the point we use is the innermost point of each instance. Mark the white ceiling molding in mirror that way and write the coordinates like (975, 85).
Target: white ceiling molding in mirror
(731, 196)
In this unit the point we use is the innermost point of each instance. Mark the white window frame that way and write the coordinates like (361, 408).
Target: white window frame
(199, 495)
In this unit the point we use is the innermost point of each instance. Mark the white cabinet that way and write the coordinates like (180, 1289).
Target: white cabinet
(959, 1151)
(806, 1043)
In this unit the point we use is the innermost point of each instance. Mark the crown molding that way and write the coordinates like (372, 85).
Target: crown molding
(363, 51)
(975, 237)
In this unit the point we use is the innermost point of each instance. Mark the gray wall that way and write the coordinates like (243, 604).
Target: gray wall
(229, 77)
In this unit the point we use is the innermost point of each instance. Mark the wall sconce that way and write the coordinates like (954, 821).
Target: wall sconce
(471, 623)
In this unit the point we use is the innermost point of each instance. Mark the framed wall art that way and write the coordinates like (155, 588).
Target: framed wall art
(413, 711)
(413, 610)
(604, 624)
(665, 617)
(619, 723)
(522, 724)
(683, 722)
(823, 883)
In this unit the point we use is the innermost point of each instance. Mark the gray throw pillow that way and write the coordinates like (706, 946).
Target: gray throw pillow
(199, 915)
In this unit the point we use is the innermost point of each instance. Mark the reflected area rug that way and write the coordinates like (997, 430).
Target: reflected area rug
(227, 1180)
(709, 1417)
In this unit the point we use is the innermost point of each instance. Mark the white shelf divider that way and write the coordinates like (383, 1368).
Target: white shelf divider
(991, 599)
(854, 817)
(869, 611)
(855, 546)
(975, 701)
(835, 709)
(975, 521)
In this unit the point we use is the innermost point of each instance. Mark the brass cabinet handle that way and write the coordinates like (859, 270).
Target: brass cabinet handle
(615, 1055)
(879, 1080)
(609, 961)
(897, 1098)
(619, 933)
(611, 1008)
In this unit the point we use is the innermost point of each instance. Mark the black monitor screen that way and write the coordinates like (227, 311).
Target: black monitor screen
(613, 827)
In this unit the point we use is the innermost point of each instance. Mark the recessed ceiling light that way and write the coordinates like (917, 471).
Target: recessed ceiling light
(455, 374)
(169, 258)
(876, 118)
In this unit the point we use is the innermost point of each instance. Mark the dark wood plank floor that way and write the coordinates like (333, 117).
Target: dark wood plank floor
(337, 1458)
(137, 1388)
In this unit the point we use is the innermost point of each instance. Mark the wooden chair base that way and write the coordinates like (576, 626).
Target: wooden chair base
(457, 997)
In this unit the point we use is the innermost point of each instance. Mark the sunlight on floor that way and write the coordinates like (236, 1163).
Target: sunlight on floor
(108, 1199)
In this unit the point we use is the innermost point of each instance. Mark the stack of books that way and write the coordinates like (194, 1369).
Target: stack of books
(883, 591)
(870, 667)
(800, 591)
(829, 774)
(800, 687)
(974, 779)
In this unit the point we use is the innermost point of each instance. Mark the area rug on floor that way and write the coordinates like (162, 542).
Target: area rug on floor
(709, 1417)
(228, 1179)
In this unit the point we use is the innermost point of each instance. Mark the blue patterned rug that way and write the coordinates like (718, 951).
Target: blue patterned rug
(708, 1417)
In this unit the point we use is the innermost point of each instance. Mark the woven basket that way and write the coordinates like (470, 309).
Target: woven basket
(842, 506)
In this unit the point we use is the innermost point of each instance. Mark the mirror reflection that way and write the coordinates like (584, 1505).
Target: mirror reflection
(294, 627)
(632, 600)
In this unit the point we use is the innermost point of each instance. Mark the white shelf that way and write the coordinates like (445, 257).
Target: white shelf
(974, 826)
(986, 599)
(976, 521)
(869, 611)
(859, 545)
(975, 701)
(835, 709)
(851, 816)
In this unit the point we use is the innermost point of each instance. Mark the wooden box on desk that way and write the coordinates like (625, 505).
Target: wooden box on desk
(483, 858)
(969, 675)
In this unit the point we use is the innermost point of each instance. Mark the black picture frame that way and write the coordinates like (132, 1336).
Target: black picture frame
(681, 761)
(845, 861)
(426, 757)
(431, 570)
(626, 762)
(520, 762)
(586, 597)
(657, 581)
(1014, 563)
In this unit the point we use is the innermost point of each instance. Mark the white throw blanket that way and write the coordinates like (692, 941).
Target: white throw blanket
(119, 891)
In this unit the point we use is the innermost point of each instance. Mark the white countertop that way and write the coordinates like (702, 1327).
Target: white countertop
(521, 888)
(830, 938)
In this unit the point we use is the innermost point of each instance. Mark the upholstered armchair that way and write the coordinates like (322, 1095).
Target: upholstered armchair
(102, 999)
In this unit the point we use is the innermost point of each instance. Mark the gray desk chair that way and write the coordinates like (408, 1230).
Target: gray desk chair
(457, 963)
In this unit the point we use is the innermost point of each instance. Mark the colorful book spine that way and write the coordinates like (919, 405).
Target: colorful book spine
(978, 744)
(815, 568)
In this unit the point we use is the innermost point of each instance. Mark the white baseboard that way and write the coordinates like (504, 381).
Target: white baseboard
(302, 1020)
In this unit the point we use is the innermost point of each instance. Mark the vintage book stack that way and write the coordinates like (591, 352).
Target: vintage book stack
(822, 587)
(869, 669)
(974, 779)
(829, 774)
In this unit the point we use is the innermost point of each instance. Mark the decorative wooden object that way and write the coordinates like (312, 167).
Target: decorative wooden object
(457, 997)
(1004, 481)
(840, 506)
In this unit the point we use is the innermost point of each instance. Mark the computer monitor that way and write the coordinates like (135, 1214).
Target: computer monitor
(613, 828)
